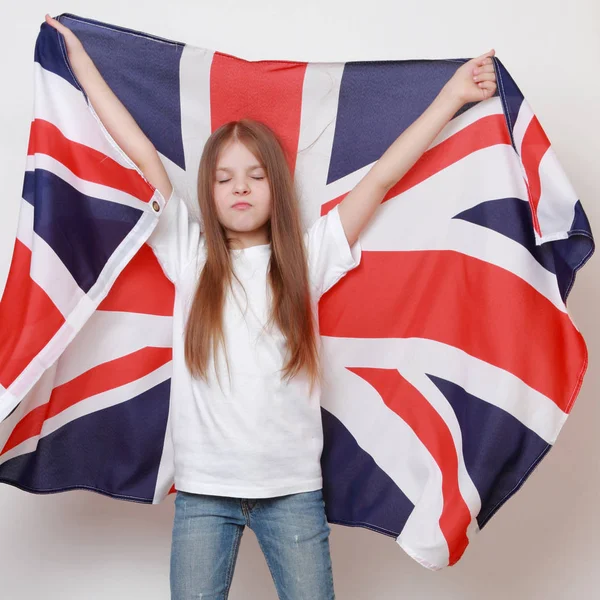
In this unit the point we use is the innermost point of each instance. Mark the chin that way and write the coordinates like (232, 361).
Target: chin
(241, 229)
(246, 226)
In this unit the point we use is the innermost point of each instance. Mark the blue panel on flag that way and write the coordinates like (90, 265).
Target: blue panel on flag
(49, 54)
(378, 100)
(144, 76)
(89, 451)
(354, 485)
(83, 231)
(498, 470)
(511, 96)
(572, 253)
(510, 217)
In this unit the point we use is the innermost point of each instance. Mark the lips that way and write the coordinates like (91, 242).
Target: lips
(241, 205)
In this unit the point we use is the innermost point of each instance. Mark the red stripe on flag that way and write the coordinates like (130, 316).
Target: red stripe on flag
(470, 304)
(483, 133)
(129, 292)
(535, 144)
(416, 411)
(85, 162)
(102, 378)
(28, 317)
(276, 97)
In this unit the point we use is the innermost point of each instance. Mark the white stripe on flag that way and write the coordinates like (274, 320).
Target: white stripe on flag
(319, 107)
(65, 107)
(109, 335)
(89, 188)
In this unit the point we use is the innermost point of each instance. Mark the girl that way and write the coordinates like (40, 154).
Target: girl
(247, 449)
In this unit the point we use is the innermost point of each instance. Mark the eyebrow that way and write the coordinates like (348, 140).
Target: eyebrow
(252, 167)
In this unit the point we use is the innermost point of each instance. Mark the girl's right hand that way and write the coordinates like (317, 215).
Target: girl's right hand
(71, 40)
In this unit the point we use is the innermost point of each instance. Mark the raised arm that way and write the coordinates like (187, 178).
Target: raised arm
(472, 82)
(113, 114)
(175, 236)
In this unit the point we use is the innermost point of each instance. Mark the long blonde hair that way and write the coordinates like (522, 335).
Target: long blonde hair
(287, 272)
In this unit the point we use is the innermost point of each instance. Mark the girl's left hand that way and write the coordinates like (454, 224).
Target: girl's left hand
(71, 40)
(473, 81)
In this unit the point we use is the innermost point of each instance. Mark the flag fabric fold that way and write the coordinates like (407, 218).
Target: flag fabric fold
(451, 359)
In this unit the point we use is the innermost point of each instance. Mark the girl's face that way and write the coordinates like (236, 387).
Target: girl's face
(239, 178)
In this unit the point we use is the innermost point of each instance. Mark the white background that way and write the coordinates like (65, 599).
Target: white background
(543, 543)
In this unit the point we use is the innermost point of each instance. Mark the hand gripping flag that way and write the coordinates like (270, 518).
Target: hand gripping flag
(451, 359)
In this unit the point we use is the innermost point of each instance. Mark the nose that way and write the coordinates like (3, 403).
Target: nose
(241, 188)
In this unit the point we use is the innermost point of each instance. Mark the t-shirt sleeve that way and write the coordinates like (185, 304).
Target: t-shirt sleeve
(176, 236)
(330, 256)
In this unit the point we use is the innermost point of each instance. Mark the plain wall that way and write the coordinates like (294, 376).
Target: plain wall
(543, 543)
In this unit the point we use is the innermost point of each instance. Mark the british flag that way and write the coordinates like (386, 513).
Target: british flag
(451, 359)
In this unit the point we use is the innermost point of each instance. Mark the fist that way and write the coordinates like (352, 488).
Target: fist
(475, 80)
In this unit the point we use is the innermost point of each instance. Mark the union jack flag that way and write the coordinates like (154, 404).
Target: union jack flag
(451, 359)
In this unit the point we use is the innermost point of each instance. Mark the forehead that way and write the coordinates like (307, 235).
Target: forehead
(234, 156)
(229, 169)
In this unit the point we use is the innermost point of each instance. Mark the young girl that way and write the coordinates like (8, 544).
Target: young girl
(246, 418)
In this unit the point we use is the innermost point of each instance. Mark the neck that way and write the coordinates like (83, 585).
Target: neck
(247, 239)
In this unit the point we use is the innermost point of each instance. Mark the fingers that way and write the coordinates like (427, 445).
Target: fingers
(486, 58)
(53, 22)
(484, 76)
(56, 24)
(487, 88)
(490, 53)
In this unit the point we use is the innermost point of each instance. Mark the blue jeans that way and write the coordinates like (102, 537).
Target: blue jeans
(292, 531)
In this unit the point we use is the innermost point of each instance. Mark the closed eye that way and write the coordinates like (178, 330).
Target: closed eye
(226, 180)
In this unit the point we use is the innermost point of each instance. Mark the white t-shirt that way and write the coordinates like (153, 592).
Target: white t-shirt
(257, 437)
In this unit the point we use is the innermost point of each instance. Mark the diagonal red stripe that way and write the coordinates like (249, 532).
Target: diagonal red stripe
(470, 304)
(84, 162)
(483, 133)
(416, 411)
(535, 144)
(107, 376)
